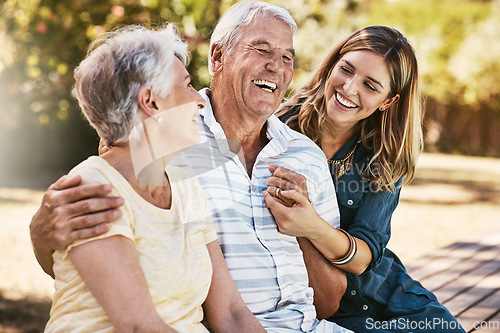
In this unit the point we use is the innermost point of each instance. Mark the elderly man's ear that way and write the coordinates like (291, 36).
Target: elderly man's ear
(147, 101)
(216, 58)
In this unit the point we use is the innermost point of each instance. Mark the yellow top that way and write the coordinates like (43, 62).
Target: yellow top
(171, 246)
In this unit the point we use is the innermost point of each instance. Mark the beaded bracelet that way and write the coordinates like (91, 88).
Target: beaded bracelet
(351, 254)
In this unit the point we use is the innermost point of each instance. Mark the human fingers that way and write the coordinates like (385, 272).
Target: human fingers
(274, 205)
(288, 174)
(65, 182)
(285, 217)
(272, 167)
(275, 191)
(63, 228)
(282, 183)
(91, 206)
(88, 232)
(296, 196)
(293, 177)
(95, 219)
(56, 198)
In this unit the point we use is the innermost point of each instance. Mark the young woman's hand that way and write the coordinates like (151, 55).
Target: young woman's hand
(283, 179)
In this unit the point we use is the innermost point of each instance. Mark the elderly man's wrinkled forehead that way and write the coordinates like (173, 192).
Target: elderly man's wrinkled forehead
(258, 28)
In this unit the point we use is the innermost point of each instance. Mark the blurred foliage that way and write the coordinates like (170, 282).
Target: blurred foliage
(41, 42)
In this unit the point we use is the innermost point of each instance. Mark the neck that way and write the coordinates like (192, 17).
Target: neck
(246, 132)
(149, 181)
(335, 137)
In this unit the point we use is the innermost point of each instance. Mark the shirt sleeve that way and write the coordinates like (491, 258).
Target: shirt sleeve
(322, 195)
(123, 226)
(372, 221)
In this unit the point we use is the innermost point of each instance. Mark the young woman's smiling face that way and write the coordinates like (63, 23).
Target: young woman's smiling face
(357, 86)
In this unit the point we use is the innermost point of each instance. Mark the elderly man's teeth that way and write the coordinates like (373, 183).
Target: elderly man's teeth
(345, 102)
(265, 85)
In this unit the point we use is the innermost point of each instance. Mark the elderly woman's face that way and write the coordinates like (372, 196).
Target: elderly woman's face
(179, 110)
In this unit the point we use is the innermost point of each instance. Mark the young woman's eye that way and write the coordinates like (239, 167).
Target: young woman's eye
(345, 70)
(370, 87)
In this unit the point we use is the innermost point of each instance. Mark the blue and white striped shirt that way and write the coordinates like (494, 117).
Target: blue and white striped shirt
(266, 266)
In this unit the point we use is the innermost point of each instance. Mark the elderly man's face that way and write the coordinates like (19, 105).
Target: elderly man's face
(260, 69)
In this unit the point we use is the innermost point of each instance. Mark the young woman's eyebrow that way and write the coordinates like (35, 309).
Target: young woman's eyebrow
(369, 77)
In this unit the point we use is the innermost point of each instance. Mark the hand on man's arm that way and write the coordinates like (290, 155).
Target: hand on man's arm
(69, 212)
(329, 282)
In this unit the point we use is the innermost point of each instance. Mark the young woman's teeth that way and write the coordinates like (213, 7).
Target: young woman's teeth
(265, 85)
(345, 102)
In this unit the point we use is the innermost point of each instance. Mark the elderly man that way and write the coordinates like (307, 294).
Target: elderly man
(251, 62)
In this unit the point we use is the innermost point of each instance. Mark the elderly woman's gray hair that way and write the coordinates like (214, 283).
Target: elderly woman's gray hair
(228, 31)
(118, 63)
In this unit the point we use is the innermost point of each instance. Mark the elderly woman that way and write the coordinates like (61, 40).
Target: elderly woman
(362, 108)
(160, 265)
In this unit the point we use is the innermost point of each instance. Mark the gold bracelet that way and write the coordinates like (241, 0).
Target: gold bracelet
(351, 253)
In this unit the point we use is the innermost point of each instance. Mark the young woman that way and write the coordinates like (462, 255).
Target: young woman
(362, 108)
(159, 268)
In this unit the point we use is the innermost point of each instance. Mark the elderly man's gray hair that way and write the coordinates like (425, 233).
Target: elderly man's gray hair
(228, 31)
(118, 63)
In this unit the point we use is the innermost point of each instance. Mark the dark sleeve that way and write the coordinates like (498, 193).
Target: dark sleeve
(370, 218)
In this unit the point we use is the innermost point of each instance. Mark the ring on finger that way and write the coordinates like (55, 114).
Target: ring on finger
(277, 193)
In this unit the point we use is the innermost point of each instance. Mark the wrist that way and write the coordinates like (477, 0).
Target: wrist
(319, 230)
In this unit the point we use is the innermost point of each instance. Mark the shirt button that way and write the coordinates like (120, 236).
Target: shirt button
(254, 188)
(350, 202)
(353, 292)
(365, 307)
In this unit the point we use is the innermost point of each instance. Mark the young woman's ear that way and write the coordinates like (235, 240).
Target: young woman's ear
(387, 104)
(146, 101)
(216, 57)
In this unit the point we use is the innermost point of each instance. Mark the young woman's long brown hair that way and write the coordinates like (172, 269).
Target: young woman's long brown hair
(395, 135)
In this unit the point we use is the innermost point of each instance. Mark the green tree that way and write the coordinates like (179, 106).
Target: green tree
(41, 128)
(41, 42)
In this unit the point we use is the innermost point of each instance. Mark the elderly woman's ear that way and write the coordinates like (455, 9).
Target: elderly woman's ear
(146, 101)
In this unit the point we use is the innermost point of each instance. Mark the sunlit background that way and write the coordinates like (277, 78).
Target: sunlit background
(41, 41)
(43, 135)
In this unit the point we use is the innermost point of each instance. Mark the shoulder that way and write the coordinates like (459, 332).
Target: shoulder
(93, 170)
(184, 179)
(288, 112)
(293, 137)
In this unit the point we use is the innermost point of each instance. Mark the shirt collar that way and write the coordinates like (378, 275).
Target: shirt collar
(278, 133)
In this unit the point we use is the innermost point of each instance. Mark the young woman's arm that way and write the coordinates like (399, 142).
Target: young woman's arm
(224, 308)
(301, 220)
(111, 270)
